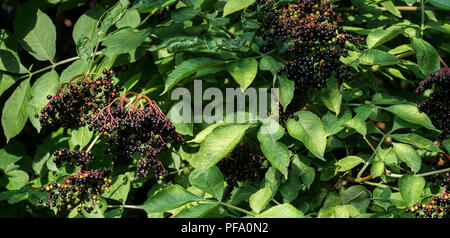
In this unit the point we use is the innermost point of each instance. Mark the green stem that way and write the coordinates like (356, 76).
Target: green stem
(380, 185)
(126, 206)
(370, 145)
(93, 142)
(422, 17)
(145, 19)
(421, 175)
(50, 67)
(54, 65)
(373, 154)
(275, 201)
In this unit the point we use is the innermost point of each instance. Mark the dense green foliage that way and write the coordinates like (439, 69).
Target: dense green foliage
(351, 140)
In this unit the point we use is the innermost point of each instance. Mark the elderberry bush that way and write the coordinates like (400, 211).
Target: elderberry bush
(224, 109)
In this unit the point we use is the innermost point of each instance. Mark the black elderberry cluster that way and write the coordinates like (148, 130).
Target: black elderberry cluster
(132, 125)
(73, 157)
(145, 131)
(437, 106)
(243, 163)
(439, 206)
(316, 42)
(81, 191)
(72, 101)
(442, 179)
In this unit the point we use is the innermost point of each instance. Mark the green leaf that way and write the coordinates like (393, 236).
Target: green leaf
(7, 159)
(259, 200)
(85, 31)
(81, 137)
(124, 41)
(408, 155)
(197, 211)
(417, 140)
(131, 18)
(120, 188)
(272, 180)
(243, 71)
(235, 5)
(386, 99)
(343, 211)
(331, 96)
(285, 210)
(169, 198)
(367, 7)
(444, 4)
(86, 25)
(209, 180)
(202, 134)
(218, 144)
(175, 115)
(44, 86)
(410, 2)
(377, 57)
(113, 15)
(389, 5)
(309, 130)
(184, 14)
(36, 33)
(14, 114)
(268, 63)
(15, 196)
(276, 152)
(299, 169)
(381, 197)
(427, 56)
(377, 169)
(9, 59)
(446, 144)
(6, 81)
(348, 163)
(142, 4)
(187, 68)
(358, 124)
(77, 67)
(14, 179)
(333, 124)
(380, 36)
(354, 193)
(287, 88)
(411, 188)
(410, 113)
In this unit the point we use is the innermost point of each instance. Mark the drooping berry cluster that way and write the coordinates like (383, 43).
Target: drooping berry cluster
(72, 157)
(439, 205)
(437, 106)
(316, 42)
(81, 190)
(73, 100)
(137, 126)
(132, 125)
(241, 164)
